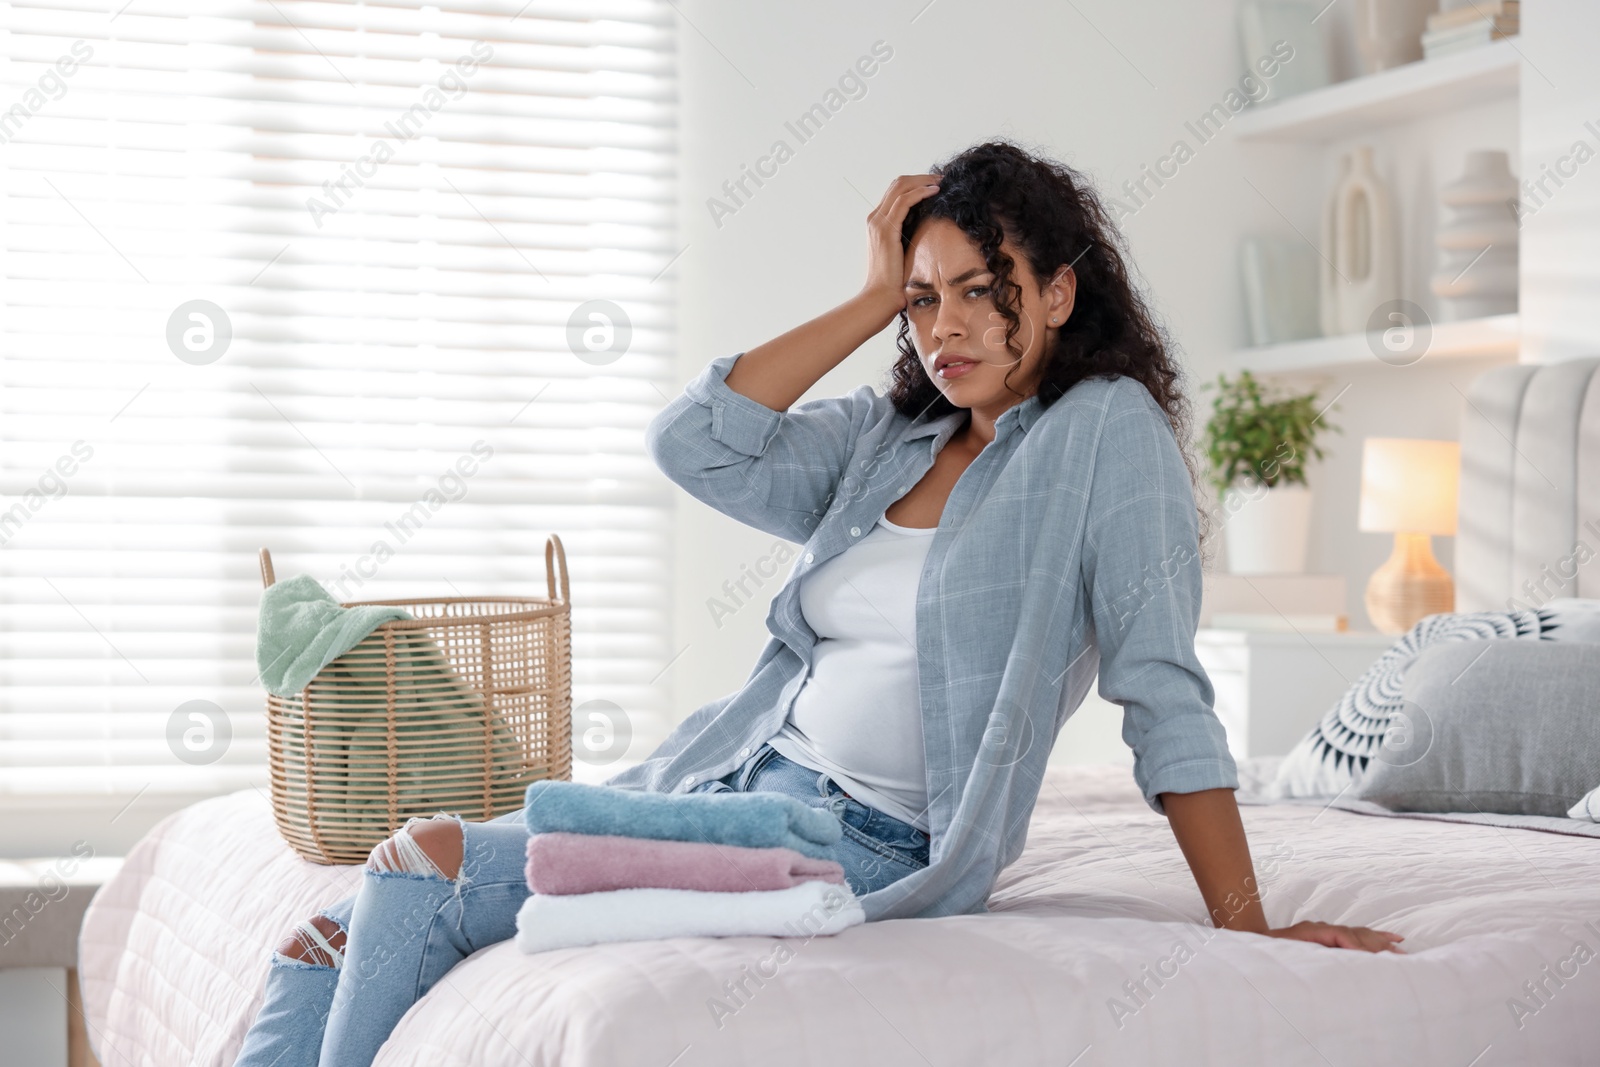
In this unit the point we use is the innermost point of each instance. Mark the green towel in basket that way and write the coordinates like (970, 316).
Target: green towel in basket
(302, 634)
(302, 629)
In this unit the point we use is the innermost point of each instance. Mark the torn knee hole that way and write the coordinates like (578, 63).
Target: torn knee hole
(318, 941)
(429, 847)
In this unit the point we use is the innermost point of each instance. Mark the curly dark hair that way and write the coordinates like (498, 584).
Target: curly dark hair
(998, 190)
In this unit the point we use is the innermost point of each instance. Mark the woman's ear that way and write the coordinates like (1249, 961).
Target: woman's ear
(1062, 292)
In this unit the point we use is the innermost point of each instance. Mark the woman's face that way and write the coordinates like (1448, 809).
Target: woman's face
(958, 334)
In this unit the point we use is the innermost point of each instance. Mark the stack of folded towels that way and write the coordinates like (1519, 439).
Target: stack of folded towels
(610, 864)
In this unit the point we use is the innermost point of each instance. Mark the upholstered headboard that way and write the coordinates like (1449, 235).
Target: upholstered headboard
(1529, 519)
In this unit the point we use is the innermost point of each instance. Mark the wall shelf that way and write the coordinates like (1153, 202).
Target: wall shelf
(1356, 105)
(1497, 336)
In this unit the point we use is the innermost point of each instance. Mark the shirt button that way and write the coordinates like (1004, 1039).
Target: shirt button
(902, 489)
(810, 556)
(689, 780)
(855, 531)
(744, 752)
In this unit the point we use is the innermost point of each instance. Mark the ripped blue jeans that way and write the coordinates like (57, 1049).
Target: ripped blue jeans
(404, 929)
(408, 924)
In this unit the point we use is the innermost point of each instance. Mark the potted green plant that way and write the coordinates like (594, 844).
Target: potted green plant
(1258, 446)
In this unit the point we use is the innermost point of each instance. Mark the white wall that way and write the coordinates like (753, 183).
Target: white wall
(1560, 265)
(1107, 88)
(1106, 91)
(1375, 399)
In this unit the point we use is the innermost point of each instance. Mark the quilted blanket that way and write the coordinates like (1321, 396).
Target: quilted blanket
(1096, 951)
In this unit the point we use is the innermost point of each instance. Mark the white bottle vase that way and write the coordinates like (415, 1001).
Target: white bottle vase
(1268, 530)
(1477, 265)
(1361, 268)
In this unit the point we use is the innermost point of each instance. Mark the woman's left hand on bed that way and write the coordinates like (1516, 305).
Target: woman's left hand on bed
(1340, 936)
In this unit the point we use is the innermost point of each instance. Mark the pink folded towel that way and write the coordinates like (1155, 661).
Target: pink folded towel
(562, 864)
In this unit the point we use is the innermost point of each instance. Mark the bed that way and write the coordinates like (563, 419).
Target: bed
(1096, 951)
(174, 956)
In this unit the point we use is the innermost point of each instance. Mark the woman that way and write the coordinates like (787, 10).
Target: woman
(1014, 518)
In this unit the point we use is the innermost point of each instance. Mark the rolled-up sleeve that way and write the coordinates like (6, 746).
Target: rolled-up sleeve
(1142, 570)
(772, 470)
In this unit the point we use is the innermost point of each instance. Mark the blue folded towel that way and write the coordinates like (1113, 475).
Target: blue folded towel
(753, 820)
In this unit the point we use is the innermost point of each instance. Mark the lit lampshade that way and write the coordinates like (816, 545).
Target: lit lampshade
(1408, 488)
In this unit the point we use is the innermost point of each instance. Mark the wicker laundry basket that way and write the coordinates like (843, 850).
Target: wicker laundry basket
(457, 709)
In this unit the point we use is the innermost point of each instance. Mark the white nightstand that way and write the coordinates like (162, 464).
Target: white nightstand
(1271, 688)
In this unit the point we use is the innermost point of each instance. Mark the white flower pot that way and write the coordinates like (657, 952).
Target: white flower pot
(1267, 530)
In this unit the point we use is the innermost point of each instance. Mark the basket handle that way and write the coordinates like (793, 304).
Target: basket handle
(553, 553)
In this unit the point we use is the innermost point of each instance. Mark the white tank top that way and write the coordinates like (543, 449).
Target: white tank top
(859, 715)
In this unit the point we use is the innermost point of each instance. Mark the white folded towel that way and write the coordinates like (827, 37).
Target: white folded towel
(546, 922)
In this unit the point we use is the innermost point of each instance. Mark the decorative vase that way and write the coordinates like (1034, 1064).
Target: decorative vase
(1477, 264)
(1268, 529)
(1279, 276)
(1265, 26)
(1389, 32)
(1361, 254)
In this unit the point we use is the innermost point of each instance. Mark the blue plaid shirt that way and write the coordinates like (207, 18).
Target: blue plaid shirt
(1069, 547)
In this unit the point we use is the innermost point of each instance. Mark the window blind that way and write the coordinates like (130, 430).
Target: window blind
(383, 287)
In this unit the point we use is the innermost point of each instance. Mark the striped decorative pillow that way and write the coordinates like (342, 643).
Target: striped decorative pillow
(1334, 755)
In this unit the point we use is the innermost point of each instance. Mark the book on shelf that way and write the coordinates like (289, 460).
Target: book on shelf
(1472, 31)
(1474, 12)
(1480, 37)
(1277, 623)
(1264, 601)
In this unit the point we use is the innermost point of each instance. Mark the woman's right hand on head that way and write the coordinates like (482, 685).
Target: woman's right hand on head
(885, 257)
(777, 373)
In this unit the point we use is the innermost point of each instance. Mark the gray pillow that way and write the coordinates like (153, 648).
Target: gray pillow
(1330, 759)
(1493, 726)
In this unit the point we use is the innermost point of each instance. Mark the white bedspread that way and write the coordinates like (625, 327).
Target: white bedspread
(174, 956)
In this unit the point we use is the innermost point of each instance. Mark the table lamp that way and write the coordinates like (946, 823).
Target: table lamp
(1408, 488)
